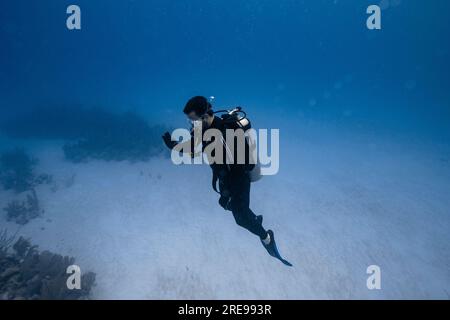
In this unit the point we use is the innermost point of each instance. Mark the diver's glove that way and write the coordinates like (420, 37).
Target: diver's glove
(168, 141)
(225, 202)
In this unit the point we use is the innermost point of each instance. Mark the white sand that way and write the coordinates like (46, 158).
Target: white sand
(339, 204)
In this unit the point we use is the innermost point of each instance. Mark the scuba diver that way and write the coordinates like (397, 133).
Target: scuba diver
(233, 177)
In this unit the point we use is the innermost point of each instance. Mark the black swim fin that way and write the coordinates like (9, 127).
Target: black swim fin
(273, 250)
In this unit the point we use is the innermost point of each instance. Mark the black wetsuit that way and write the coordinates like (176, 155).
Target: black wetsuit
(234, 185)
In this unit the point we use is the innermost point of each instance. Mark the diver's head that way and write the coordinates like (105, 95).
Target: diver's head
(199, 109)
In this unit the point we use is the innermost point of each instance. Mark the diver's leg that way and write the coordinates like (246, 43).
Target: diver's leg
(240, 206)
(250, 222)
(240, 202)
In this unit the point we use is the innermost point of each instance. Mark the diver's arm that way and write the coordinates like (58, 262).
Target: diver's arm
(168, 141)
(187, 146)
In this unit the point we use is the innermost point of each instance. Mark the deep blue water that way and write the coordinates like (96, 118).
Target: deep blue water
(316, 58)
(364, 143)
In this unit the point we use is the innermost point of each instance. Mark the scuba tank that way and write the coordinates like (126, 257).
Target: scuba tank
(232, 118)
(237, 119)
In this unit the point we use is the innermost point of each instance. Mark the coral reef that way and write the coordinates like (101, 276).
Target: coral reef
(116, 138)
(23, 211)
(17, 171)
(26, 273)
(5, 242)
(90, 133)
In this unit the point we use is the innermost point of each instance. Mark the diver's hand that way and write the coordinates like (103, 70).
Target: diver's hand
(168, 141)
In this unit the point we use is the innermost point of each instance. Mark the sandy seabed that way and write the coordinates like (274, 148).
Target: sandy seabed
(152, 230)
